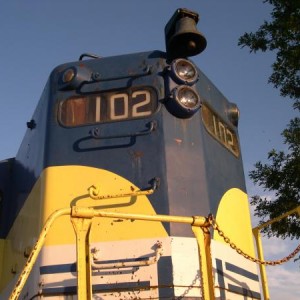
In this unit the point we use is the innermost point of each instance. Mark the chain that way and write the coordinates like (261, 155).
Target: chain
(189, 287)
(216, 227)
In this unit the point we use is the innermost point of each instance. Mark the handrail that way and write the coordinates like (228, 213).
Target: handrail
(35, 252)
(147, 261)
(81, 218)
(96, 133)
(89, 212)
(94, 191)
(260, 254)
(290, 212)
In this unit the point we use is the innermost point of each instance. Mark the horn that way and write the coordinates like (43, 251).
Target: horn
(182, 37)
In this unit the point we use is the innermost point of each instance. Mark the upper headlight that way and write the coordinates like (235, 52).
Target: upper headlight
(184, 71)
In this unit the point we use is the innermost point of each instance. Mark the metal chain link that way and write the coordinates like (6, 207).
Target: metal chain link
(227, 240)
(189, 287)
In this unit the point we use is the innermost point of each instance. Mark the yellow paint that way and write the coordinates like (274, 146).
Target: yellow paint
(205, 262)
(22, 236)
(68, 185)
(65, 186)
(2, 243)
(262, 268)
(233, 217)
(84, 272)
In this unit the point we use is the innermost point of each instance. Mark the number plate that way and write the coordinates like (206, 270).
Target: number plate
(220, 130)
(107, 107)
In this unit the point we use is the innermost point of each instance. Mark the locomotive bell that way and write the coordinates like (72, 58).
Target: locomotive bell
(182, 37)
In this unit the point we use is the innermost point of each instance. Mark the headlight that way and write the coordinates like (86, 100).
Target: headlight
(73, 77)
(187, 97)
(184, 102)
(68, 75)
(233, 114)
(184, 71)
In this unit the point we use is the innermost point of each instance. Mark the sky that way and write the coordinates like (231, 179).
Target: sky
(36, 36)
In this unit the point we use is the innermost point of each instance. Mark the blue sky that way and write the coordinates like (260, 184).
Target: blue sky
(37, 35)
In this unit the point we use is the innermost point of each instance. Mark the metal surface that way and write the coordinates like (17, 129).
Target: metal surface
(194, 171)
(140, 263)
(181, 35)
(202, 235)
(81, 218)
(94, 191)
(90, 55)
(96, 132)
(35, 252)
(82, 226)
(293, 211)
(262, 267)
(260, 253)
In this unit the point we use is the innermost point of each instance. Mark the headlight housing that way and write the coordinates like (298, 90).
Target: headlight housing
(184, 102)
(184, 71)
(73, 77)
(187, 97)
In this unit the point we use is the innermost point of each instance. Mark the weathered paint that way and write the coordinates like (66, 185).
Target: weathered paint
(56, 166)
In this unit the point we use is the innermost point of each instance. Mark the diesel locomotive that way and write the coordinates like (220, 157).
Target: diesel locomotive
(137, 134)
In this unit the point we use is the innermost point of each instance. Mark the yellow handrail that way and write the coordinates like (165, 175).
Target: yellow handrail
(81, 218)
(293, 211)
(35, 252)
(260, 254)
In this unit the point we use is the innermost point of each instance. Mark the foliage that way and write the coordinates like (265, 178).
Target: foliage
(281, 176)
(282, 35)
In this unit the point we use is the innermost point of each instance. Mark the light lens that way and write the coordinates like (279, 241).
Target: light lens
(233, 114)
(68, 75)
(184, 71)
(187, 97)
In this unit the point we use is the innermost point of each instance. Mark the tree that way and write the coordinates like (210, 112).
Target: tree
(281, 35)
(281, 175)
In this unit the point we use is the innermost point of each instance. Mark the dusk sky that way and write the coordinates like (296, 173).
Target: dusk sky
(36, 36)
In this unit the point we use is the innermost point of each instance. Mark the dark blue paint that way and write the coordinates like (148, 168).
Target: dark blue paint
(194, 169)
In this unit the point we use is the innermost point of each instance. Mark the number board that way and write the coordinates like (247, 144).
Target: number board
(108, 107)
(220, 130)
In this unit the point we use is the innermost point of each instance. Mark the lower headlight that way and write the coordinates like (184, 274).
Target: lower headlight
(187, 97)
(185, 102)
